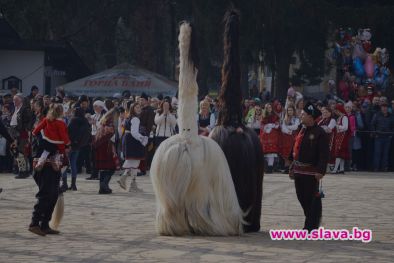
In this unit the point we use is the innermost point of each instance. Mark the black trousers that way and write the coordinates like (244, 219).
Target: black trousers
(47, 146)
(47, 181)
(105, 177)
(306, 188)
(84, 158)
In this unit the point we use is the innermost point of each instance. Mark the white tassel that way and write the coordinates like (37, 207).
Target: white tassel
(58, 213)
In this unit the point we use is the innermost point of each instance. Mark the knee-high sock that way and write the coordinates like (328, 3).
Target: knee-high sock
(337, 163)
(270, 161)
(342, 165)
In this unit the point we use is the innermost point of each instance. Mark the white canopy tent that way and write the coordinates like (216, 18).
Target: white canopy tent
(121, 78)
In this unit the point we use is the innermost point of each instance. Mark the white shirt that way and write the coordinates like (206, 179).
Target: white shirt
(345, 124)
(96, 123)
(254, 123)
(165, 124)
(328, 128)
(212, 121)
(293, 126)
(135, 129)
(14, 118)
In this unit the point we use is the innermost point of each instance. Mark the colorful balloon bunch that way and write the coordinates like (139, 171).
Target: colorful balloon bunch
(359, 65)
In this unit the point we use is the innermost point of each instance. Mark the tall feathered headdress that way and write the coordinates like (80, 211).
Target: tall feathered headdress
(230, 96)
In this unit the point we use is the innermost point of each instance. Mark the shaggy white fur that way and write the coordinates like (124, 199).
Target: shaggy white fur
(58, 213)
(194, 190)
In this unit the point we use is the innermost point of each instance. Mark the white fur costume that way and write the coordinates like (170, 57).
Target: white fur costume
(191, 178)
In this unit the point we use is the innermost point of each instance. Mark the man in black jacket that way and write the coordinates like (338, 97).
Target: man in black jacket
(383, 126)
(310, 157)
(147, 119)
(21, 124)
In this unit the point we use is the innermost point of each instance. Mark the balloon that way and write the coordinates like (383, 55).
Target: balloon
(369, 67)
(358, 67)
(367, 46)
(359, 52)
(384, 56)
(376, 70)
(344, 89)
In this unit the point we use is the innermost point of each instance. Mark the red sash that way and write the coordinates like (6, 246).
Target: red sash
(297, 144)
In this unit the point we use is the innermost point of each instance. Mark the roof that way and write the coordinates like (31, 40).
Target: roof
(121, 78)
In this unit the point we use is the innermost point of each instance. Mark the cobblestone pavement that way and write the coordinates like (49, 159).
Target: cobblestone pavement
(120, 227)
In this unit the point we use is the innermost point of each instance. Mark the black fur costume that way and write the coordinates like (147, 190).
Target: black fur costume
(239, 143)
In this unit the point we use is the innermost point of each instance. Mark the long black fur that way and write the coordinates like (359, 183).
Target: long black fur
(240, 144)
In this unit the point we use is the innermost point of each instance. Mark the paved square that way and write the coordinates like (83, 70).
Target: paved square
(120, 227)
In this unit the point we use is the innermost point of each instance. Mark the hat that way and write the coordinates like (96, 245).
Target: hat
(290, 92)
(99, 103)
(144, 96)
(340, 108)
(117, 96)
(311, 109)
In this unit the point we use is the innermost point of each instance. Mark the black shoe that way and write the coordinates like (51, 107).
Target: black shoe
(50, 231)
(36, 230)
(63, 188)
(105, 191)
(73, 184)
(285, 171)
(141, 173)
(22, 176)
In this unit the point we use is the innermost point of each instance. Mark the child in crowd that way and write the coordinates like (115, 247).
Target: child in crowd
(54, 135)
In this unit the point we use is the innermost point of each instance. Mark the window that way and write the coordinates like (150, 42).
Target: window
(12, 82)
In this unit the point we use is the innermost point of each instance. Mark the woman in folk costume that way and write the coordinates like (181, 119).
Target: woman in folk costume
(190, 174)
(328, 123)
(278, 109)
(254, 121)
(206, 119)
(299, 103)
(341, 140)
(269, 136)
(105, 156)
(133, 146)
(240, 144)
(352, 131)
(289, 126)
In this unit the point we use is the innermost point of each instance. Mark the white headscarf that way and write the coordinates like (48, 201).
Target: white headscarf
(100, 103)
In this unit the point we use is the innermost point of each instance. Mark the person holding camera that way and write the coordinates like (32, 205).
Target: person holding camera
(165, 122)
